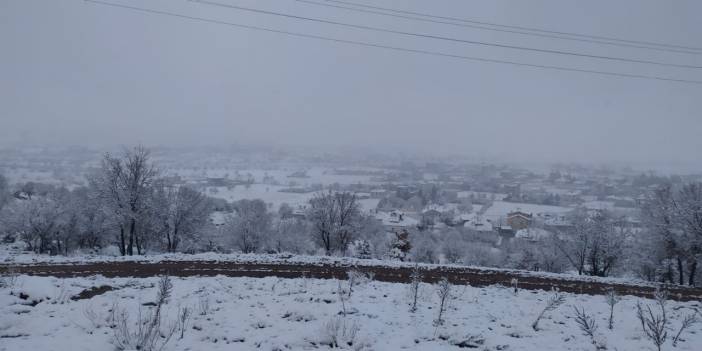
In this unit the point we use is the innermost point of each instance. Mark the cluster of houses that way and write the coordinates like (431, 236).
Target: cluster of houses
(516, 223)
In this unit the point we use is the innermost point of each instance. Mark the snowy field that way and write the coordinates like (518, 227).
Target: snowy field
(273, 197)
(270, 194)
(315, 175)
(37, 313)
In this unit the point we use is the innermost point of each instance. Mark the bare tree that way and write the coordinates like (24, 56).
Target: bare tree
(335, 218)
(181, 211)
(125, 186)
(688, 208)
(595, 243)
(576, 244)
(675, 218)
(291, 235)
(250, 226)
(37, 222)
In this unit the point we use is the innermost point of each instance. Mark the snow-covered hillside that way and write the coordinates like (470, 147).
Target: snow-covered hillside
(37, 313)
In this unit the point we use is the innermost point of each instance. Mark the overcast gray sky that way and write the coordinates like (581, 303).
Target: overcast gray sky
(74, 72)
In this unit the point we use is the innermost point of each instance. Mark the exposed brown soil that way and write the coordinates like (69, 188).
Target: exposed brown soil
(472, 276)
(92, 292)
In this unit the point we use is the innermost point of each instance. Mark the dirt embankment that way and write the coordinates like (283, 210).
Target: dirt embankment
(463, 276)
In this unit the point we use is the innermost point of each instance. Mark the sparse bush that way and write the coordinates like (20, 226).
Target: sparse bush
(653, 324)
(689, 320)
(92, 317)
(339, 332)
(586, 323)
(612, 299)
(342, 297)
(183, 317)
(203, 305)
(415, 284)
(553, 301)
(145, 333)
(9, 279)
(443, 290)
(356, 277)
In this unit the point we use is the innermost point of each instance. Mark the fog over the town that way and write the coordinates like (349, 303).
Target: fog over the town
(80, 73)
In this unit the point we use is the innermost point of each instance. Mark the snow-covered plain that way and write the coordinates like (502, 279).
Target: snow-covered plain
(295, 314)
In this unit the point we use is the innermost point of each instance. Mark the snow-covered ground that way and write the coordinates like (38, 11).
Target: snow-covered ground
(274, 197)
(299, 314)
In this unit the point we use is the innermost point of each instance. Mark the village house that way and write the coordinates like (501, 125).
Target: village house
(519, 220)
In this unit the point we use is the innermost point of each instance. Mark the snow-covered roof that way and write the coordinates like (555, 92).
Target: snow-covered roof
(533, 234)
(396, 219)
(478, 223)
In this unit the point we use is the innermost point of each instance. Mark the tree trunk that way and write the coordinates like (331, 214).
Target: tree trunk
(132, 229)
(681, 271)
(691, 274)
(122, 244)
(174, 244)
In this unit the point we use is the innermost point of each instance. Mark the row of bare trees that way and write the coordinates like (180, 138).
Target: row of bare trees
(126, 203)
(143, 206)
(331, 223)
(671, 248)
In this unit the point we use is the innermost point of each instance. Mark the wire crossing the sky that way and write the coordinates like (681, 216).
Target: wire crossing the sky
(387, 47)
(429, 36)
(649, 45)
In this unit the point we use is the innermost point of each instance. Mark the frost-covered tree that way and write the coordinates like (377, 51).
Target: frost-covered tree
(688, 210)
(93, 223)
(362, 249)
(400, 246)
(595, 244)
(290, 235)
(124, 185)
(40, 223)
(250, 226)
(674, 244)
(425, 250)
(285, 211)
(181, 212)
(336, 220)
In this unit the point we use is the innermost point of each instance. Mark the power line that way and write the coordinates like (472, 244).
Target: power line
(553, 36)
(516, 27)
(437, 37)
(394, 48)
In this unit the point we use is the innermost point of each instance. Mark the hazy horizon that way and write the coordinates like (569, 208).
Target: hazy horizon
(78, 73)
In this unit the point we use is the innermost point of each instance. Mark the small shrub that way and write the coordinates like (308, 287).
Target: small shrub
(653, 324)
(587, 324)
(552, 303)
(145, 332)
(203, 305)
(339, 332)
(689, 320)
(443, 291)
(612, 299)
(415, 284)
(183, 317)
